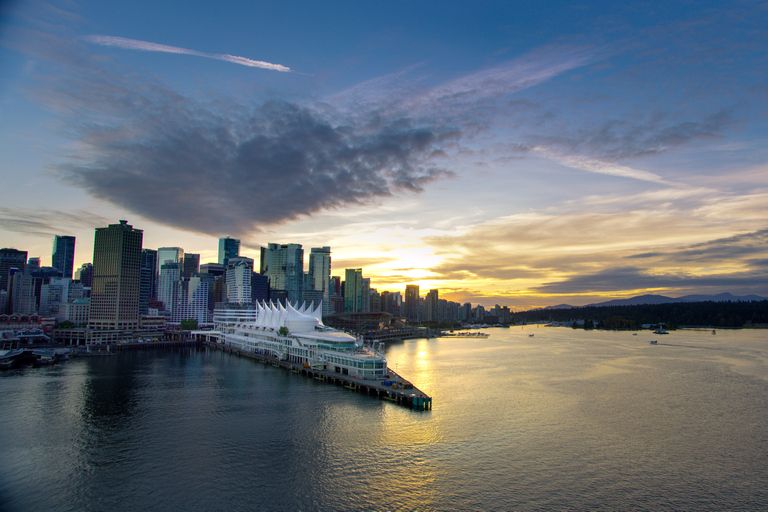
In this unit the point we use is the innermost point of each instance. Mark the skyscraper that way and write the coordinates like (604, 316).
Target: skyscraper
(148, 285)
(168, 284)
(320, 275)
(191, 265)
(412, 302)
(353, 290)
(431, 306)
(63, 257)
(228, 248)
(239, 276)
(116, 278)
(174, 254)
(284, 266)
(10, 258)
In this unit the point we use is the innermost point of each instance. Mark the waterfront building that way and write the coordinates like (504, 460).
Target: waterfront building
(320, 275)
(283, 264)
(148, 283)
(297, 335)
(412, 302)
(10, 258)
(63, 257)
(191, 265)
(116, 277)
(228, 248)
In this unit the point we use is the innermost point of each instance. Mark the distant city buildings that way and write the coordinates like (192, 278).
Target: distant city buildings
(129, 291)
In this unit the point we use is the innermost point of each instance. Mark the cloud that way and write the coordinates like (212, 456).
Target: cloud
(133, 44)
(225, 168)
(632, 279)
(46, 221)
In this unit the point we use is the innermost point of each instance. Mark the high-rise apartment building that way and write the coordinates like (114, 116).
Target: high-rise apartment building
(63, 256)
(431, 306)
(168, 284)
(116, 278)
(228, 248)
(320, 275)
(283, 264)
(239, 276)
(353, 290)
(412, 302)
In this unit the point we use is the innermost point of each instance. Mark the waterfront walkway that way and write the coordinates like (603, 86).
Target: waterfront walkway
(396, 389)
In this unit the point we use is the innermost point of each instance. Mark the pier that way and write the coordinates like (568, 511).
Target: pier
(396, 389)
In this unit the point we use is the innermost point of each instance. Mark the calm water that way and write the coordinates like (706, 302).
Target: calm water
(566, 420)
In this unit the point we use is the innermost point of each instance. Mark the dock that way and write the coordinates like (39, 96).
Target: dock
(396, 389)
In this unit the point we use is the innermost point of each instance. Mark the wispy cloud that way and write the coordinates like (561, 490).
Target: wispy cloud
(47, 221)
(133, 44)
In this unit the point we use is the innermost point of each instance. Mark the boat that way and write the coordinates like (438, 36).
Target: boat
(654, 342)
(297, 335)
(530, 335)
(660, 330)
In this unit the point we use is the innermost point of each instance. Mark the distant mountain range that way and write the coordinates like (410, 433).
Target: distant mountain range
(660, 299)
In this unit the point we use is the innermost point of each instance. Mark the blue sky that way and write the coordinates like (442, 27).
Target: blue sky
(519, 153)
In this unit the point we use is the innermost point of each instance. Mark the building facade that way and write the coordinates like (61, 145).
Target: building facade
(320, 275)
(412, 303)
(228, 248)
(116, 277)
(63, 256)
(283, 264)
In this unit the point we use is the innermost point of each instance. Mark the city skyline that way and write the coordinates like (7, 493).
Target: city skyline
(502, 153)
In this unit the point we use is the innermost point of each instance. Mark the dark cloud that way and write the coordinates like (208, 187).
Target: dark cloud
(221, 167)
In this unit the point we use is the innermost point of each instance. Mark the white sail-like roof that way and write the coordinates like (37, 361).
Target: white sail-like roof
(297, 320)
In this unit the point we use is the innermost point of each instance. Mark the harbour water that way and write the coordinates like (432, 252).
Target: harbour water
(565, 419)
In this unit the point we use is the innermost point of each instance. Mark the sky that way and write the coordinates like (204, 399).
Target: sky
(523, 153)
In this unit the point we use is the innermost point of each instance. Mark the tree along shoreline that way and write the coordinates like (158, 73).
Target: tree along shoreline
(738, 314)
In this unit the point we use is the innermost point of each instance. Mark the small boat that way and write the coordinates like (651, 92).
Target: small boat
(660, 331)
(530, 335)
(654, 342)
